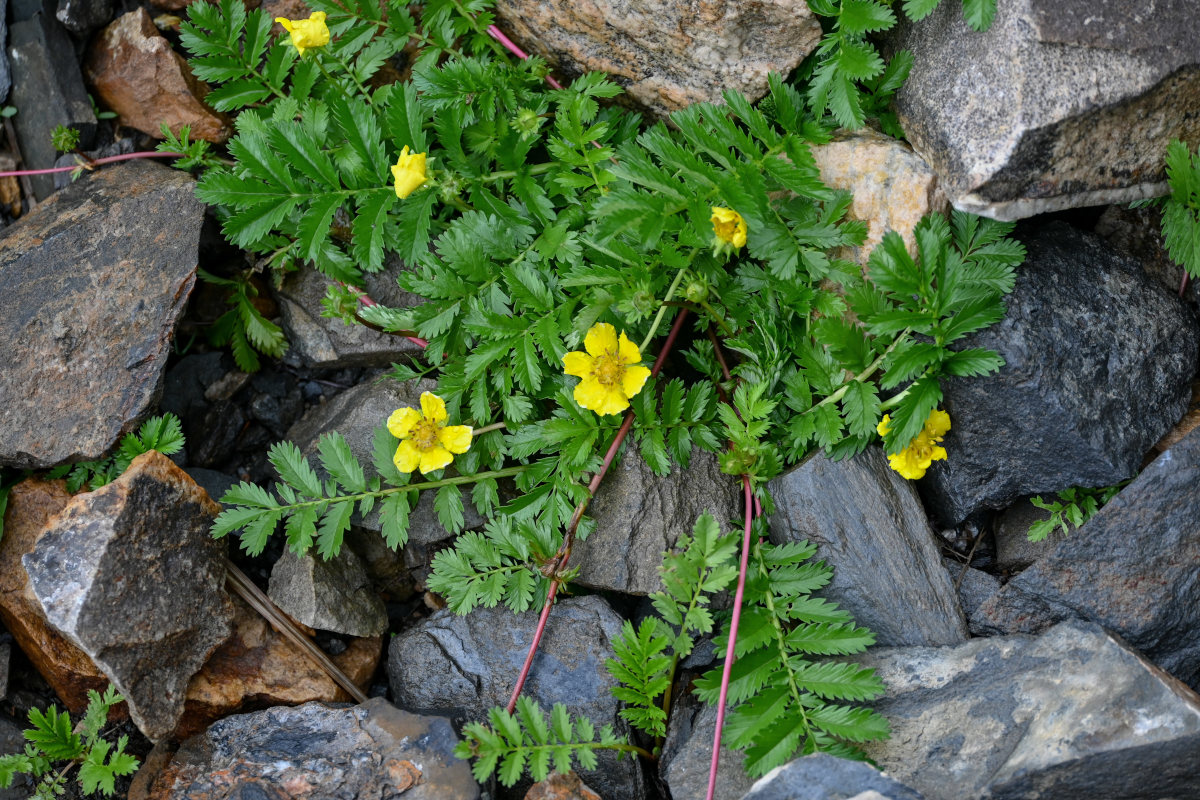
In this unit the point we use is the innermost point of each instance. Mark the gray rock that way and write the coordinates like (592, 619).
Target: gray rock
(460, 666)
(215, 484)
(12, 742)
(84, 16)
(322, 342)
(1099, 361)
(869, 526)
(130, 574)
(1132, 568)
(5, 655)
(333, 595)
(687, 753)
(1060, 104)
(974, 590)
(5, 72)
(825, 777)
(1072, 713)
(1137, 233)
(373, 750)
(667, 55)
(84, 347)
(639, 516)
(1014, 551)
(47, 91)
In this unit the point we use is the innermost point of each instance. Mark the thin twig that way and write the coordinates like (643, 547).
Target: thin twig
(970, 555)
(17, 173)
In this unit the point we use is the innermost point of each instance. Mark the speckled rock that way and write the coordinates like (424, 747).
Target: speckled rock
(331, 595)
(83, 348)
(1072, 713)
(1137, 233)
(687, 753)
(825, 777)
(320, 752)
(130, 574)
(667, 55)
(1060, 104)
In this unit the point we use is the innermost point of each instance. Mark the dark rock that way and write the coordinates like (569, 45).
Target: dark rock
(461, 666)
(687, 753)
(1060, 104)
(558, 786)
(12, 742)
(5, 72)
(187, 383)
(639, 516)
(317, 341)
(84, 348)
(1099, 362)
(869, 526)
(215, 484)
(333, 595)
(1014, 551)
(1132, 568)
(277, 414)
(131, 575)
(319, 752)
(221, 429)
(825, 777)
(1071, 713)
(1137, 233)
(5, 654)
(64, 179)
(974, 588)
(84, 16)
(47, 91)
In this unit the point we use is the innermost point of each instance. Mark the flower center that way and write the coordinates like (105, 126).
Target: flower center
(609, 370)
(425, 434)
(726, 230)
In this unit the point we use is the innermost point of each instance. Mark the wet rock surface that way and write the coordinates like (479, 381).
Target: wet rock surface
(1099, 363)
(333, 595)
(825, 777)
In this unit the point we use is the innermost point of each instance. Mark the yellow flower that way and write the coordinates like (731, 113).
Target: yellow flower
(729, 226)
(923, 450)
(426, 441)
(306, 33)
(609, 370)
(409, 172)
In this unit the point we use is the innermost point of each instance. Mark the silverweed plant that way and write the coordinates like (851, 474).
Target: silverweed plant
(564, 249)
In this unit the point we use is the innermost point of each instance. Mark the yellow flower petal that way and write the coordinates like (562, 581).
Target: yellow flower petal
(937, 425)
(578, 364)
(408, 172)
(407, 456)
(594, 396)
(433, 408)
(285, 22)
(601, 339)
(634, 380)
(435, 458)
(907, 466)
(882, 427)
(306, 33)
(729, 226)
(628, 351)
(455, 438)
(401, 422)
(939, 454)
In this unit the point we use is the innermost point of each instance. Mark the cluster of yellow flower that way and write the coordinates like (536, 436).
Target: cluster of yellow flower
(912, 461)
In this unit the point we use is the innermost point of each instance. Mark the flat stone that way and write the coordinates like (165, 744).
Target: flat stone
(821, 776)
(892, 186)
(1071, 713)
(331, 595)
(1098, 365)
(687, 753)
(667, 55)
(130, 574)
(315, 752)
(1014, 551)
(639, 516)
(1131, 568)
(84, 348)
(1060, 104)
(869, 526)
(460, 666)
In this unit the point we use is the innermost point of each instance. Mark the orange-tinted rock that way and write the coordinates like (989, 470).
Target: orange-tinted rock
(68, 670)
(10, 189)
(561, 786)
(137, 74)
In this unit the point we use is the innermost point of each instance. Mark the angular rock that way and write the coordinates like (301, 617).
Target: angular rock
(975, 588)
(315, 752)
(31, 504)
(84, 347)
(892, 186)
(139, 76)
(130, 575)
(12, 742)
(639, 516)
(1071, 713)
(561, 787)
(322, 342)
(825, 777)
(1014, 551)
(687, 753)
(84, 16)
(461, 666)
(333, 595)
(258, 667)
(1060, 104)
(1099, 362)
(667, 55)
(1132, 568)
(1137, 233)
(869, 526)
(47, 91)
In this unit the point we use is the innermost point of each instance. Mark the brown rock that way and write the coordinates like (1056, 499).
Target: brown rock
(68, 670)
(10, 190)
(668, 54)
(139, 76)
(257, 668)
(561, 786)
(290, 9)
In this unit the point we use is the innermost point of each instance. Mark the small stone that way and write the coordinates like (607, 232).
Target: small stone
(12, 742)
(138, 75)
(84, 348)
(226, 386)
(974, 588)
(639, 516)
(824, 777)
(315, 752)
(84, 16)
(1098, 365)
(215, 484)
(10, 188)
(1072, 713)
(130, 574)
(1059, 104)
(667, 55)
(869, 526)
(561, 787)
(1014, 551)
(332, 595)
(461, 666)
(687, 753)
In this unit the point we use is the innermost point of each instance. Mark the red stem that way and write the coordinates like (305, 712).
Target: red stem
(16, 173)
(499, 36)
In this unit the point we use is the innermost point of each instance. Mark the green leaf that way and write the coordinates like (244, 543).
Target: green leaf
(979, 13)
(51, 732)
(294, 468)
(919, 9)
(868, 16)
(339, 461)
(369, 228)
